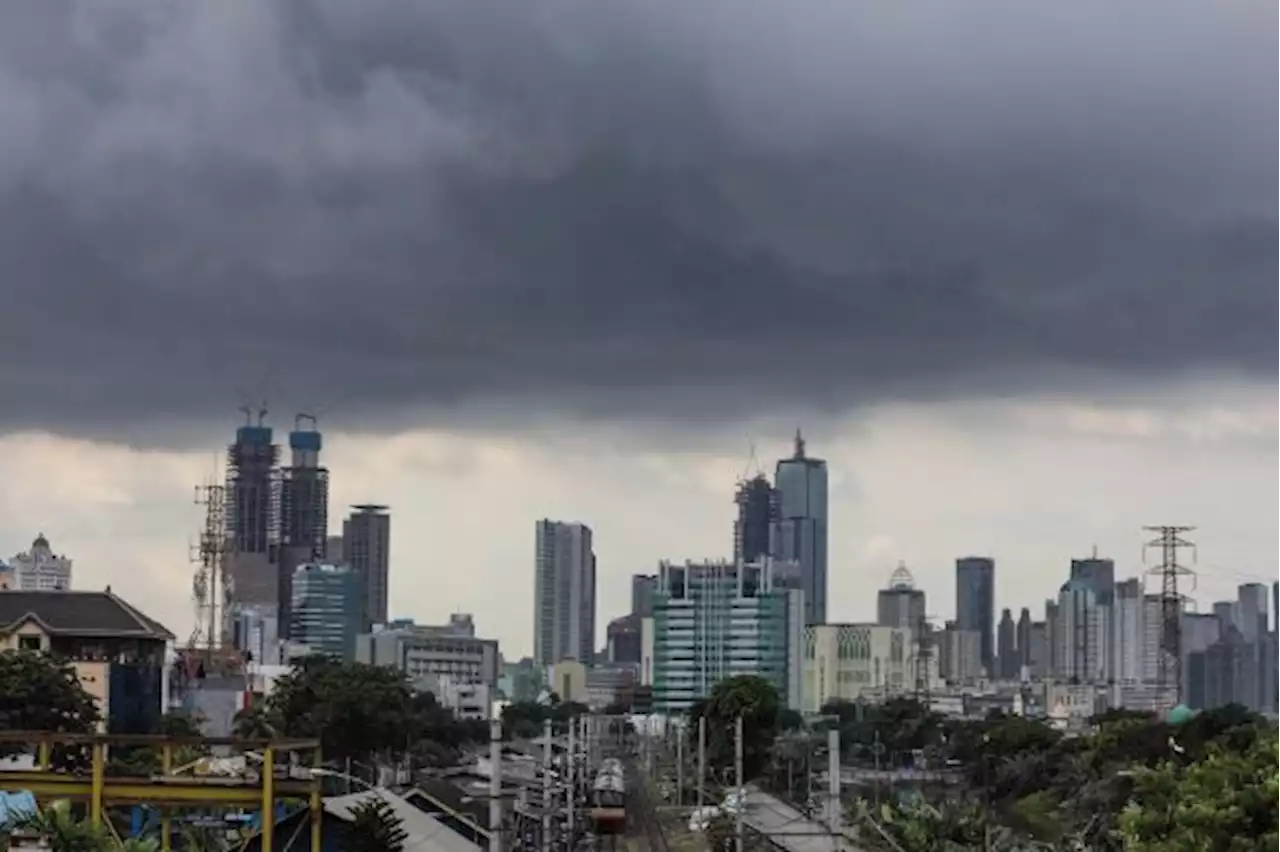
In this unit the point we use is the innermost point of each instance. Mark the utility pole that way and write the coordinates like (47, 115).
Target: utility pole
(739, 796)
(1170, 540)
(833, 784)
(702, 760)
(546, 786)
(495, 785)
(680, 766)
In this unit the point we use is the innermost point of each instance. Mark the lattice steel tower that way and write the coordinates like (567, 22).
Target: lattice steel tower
(1170, 540)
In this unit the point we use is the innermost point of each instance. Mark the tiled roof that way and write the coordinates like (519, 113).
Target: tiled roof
(77, 613)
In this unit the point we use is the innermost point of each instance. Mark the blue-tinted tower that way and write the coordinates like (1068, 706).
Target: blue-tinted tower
(799, 533)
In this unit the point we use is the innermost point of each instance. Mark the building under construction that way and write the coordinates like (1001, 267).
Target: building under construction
(304, 511)
(253, 516)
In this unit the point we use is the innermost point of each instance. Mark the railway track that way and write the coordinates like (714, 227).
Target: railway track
(644, 830)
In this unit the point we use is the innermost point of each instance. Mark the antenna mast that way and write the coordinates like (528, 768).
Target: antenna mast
(1170, 540)
(209, 588)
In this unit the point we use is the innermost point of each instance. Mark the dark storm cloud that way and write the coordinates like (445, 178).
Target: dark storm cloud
(694, 209)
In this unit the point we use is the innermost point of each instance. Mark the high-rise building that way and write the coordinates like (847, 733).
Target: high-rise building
(1098, 574)
(325, 609)
(366, 546)
(976, 604)
(717, 620)
(757, 503)
(800, 532)
(1007, 634)
(643, 587)
(901, 605)
(1024, 638)
(253, 516)
(564, 596)
(1129, 632)
(1082, 634)
(39, 569)
(304, 509)
(856, 662)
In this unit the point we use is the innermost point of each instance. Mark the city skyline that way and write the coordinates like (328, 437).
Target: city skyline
(438, 593)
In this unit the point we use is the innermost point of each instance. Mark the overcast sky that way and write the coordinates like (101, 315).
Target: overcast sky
(1012, 266)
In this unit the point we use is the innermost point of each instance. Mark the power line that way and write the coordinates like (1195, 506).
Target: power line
(1170, 540)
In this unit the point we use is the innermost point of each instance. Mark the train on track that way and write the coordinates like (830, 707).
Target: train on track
(609, 798)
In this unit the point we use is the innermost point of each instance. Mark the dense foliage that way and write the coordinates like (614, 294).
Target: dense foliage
(38, 693)
(1133, 782)
(756, 702)
(526, 719)
(359, 712)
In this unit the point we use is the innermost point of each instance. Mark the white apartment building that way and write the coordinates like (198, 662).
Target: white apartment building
(40, 570)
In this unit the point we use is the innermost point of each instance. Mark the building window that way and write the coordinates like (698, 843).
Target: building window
(29, 643)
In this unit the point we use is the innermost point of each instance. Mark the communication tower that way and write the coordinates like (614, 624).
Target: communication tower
(211, 587)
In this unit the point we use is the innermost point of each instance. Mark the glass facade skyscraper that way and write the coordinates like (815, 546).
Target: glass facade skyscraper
(325, 609)
(799, 533)
(976, 603)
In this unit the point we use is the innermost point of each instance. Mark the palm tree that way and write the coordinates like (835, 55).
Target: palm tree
(58, 827)
(255, 723)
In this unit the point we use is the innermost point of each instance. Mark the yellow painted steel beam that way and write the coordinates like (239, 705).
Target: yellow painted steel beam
(55, 785)
(268, 799)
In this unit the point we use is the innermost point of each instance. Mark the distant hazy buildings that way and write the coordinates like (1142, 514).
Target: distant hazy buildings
(643, 587)
(39, 569)
(800, 531)
(976, 604)
(325, 609)
(1007, 663)
(366, 549)
(564, 598)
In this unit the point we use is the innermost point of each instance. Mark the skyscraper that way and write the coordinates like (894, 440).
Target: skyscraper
(253, 519)
(564, 594)
(976, 603)
(800, 530)
(643, 587)
(757, 503)
(366, 545)
(901, 605)
(1098, 574)
(1007, 633)
(304, 510)
(325, 609)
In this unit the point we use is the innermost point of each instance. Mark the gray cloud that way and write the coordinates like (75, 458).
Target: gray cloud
(618, 209)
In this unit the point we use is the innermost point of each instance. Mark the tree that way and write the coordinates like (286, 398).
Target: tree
(756, 702)
(38, 693)
(1225, 802)
(355, 710)
(375, 827)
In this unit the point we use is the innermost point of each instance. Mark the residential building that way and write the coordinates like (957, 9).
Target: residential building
(715, 620)
(1132, 647)
(799, 535)
(976, 603)
(849, 662)
(325, 609)
(758, 508)
(366, 549)
(117, 651)
(564, 595)
(428, 651)
(40, 569)
(901, 604)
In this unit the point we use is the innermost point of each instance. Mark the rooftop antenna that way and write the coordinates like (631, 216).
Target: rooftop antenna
(799, 444)
(307, 418)
(262, 413)
(752, 467)
(247, 411)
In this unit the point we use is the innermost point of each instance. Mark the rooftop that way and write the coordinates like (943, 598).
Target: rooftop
(77, 613)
